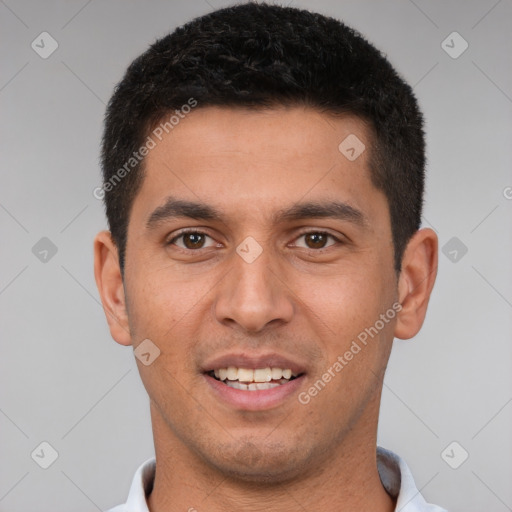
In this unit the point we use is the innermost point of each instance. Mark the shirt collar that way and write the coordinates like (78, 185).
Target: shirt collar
(397, 479)
(393, 471)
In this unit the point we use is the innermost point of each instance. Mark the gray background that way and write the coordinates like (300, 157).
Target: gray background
(63, 379)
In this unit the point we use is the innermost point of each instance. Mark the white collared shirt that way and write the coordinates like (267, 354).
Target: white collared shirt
(393, 471)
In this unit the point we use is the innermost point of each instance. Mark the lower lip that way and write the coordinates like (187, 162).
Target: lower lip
(258, 400)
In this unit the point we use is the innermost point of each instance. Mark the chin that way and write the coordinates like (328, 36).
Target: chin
(260, 463)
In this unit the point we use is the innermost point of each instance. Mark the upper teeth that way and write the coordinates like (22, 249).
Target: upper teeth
(250, 375)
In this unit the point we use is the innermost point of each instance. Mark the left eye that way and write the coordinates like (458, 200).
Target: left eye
(316, 240)
(192, 240)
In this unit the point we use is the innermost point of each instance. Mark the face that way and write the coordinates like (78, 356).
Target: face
(258, 256)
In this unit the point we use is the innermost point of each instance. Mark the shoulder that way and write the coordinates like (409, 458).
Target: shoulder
(398, 481)
(141, 486)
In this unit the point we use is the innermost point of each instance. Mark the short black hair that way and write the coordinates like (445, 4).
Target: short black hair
(258, 55)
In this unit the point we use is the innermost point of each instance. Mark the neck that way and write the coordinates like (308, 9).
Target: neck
(345, 479)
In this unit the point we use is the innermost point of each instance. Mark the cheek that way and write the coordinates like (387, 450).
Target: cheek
(343, 305)
(355, 342)
(164, 310)
(162, 298)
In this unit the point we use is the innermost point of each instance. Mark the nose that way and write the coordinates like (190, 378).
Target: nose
(252, 296)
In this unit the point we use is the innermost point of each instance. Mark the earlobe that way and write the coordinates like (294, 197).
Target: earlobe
(110, 286)
(415, 283)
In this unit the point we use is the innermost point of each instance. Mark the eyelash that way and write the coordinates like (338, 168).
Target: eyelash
(304, 233)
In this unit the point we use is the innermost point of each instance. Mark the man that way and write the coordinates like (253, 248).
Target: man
(263, 180)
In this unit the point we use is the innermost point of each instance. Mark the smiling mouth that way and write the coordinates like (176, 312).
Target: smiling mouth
(248, 379)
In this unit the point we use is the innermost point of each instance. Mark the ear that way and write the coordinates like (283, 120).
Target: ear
(415, 283)
(110, 286)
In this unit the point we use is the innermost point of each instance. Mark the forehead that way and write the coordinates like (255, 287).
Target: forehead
(279, 132)
(259, 160)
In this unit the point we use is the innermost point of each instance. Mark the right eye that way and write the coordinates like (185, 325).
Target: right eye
(191, 240)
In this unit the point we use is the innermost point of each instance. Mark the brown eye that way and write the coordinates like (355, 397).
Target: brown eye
(316, 240)
(192, 240)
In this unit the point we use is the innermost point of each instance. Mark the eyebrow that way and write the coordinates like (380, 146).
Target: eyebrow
(331, 209)
(174, 208)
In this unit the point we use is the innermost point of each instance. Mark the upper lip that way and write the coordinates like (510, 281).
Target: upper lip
(253, 361)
